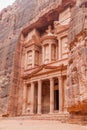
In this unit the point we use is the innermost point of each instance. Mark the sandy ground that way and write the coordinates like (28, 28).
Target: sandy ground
(37, 125)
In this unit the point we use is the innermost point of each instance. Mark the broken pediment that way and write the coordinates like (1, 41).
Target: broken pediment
(58, 28)
(32, 37)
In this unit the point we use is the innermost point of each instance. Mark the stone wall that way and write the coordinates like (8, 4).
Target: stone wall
(76, 74)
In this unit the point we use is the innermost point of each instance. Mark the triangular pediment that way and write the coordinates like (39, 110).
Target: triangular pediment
(43, 69)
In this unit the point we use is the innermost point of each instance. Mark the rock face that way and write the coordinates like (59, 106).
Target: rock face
(20, 18)
(77, 73)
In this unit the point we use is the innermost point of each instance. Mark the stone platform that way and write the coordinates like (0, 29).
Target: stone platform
(14, 124)
(50, 117)
(59, 117)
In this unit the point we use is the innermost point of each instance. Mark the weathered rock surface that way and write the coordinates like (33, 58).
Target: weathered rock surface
(22, 16)
(77, 72)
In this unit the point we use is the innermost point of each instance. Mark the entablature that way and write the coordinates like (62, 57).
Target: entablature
(44, 69)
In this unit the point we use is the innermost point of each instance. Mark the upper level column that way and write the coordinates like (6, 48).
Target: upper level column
(50, 52)
(60, 49)
(43, 52)
(49, 45)
(33, 58)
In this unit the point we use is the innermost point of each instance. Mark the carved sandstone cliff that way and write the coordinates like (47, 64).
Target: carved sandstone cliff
(77, 68)
(12, 20)
(19, 19)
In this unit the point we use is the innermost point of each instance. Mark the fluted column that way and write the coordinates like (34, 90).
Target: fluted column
(50, 51)
(43, 52)
(25, 61)
(33, 58)
(24, 98)
(39, 96)
(32, 98)
(57, 55)
(60, 49)
(51, 95)
(60, 93)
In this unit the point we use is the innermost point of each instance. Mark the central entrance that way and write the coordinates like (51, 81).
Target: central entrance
(56, 99)
(45, 96)
(56, 95)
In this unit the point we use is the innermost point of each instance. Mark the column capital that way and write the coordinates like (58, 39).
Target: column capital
(51, 79)
(39, 80)
(32, 82)
(60, 77)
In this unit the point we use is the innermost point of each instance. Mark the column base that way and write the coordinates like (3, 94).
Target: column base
(61, 112)
(31, 113)
(39, 113)
(51, 113)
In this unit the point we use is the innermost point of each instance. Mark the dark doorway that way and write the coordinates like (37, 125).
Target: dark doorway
(56, 100)
(45, 97)
(35, 98)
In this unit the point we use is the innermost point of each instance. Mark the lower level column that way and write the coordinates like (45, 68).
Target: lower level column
(51, 95)
(60, 94)
(39, 96)
(32, 98)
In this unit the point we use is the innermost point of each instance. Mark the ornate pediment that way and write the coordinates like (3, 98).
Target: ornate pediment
(32, 38)
(43, 70)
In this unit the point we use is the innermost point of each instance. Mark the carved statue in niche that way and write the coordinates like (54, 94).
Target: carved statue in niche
(54, 52)
(56, 25)
(49, 31)
(46, 53)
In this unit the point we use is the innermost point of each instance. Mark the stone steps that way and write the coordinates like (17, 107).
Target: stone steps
(55, 117)
(64, 118)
